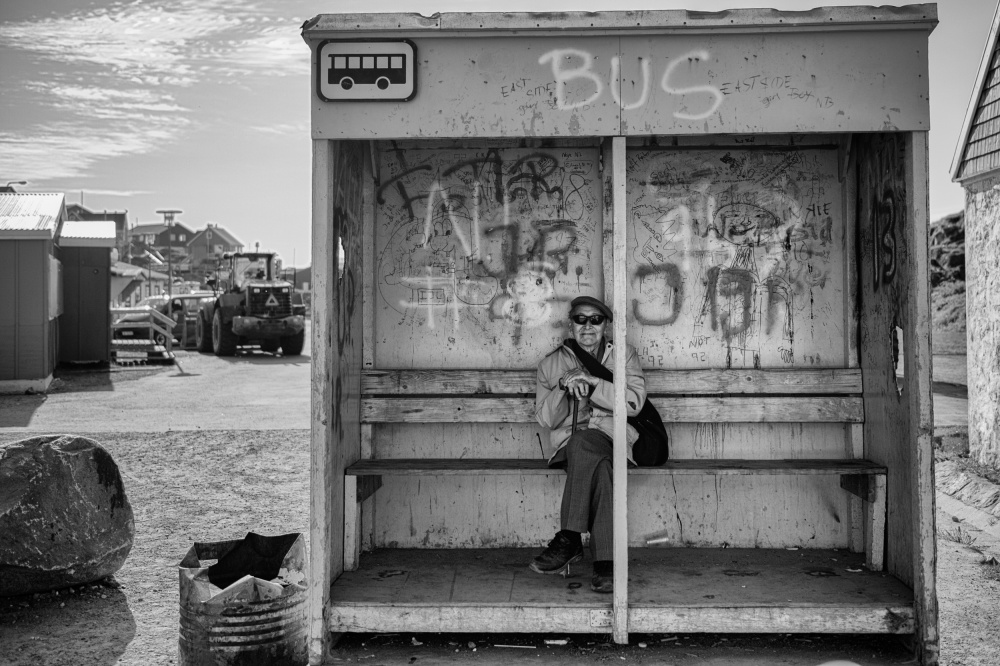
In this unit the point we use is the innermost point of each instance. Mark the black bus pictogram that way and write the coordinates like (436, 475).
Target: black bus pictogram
(382, 70)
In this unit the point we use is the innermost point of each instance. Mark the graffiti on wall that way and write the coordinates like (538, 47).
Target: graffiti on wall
(479, 251)
(883, 179)
(580, 81)
(736, 258)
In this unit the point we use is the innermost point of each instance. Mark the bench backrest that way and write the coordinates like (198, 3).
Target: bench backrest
(681, 396)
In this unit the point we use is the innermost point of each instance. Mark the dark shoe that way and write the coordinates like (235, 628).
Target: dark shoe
(603, 580)
(563, 550)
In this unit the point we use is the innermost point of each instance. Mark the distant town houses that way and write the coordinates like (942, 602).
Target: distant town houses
(149, 258)
(179, 251)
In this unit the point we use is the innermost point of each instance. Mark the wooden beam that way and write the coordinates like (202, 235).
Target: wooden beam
(765, 620)
(875, 526)
(535, 466)
(436, 409)
(619, 621)
(323, 511)
(917, 314)
(831, 381)
(368, 259)
(791, 618)
(352, 524)
(382, 618)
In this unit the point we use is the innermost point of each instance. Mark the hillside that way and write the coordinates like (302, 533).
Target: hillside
(947, 274)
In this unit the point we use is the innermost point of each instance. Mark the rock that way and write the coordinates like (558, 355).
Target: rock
(947, 249)
(64, 516)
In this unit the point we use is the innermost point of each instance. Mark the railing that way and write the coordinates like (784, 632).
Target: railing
(156, 322)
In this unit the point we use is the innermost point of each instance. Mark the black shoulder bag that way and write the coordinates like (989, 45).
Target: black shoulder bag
(653, 447)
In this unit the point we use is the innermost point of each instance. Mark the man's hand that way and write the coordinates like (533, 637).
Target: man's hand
(577, 383)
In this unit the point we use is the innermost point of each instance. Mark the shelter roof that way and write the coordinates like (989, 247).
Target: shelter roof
(88, 233)
(860, 17)
(978, 150)
(31, 215)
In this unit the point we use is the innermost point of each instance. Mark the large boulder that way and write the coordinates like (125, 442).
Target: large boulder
(64, 516)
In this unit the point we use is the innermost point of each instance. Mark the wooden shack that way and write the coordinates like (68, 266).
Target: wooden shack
(748, 189)
(31, 289)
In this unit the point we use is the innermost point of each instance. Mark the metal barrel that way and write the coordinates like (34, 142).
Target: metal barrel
(239, 631)
(245, 633)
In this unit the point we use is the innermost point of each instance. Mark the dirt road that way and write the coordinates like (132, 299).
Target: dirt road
(255, 391)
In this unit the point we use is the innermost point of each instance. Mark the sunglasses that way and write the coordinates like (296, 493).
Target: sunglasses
(595, 320)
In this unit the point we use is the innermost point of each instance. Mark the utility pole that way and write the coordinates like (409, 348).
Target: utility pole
(168, 220)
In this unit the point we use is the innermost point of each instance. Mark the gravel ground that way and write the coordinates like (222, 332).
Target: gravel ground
(184, 487)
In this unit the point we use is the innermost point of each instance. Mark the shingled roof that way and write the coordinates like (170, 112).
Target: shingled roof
(978, 151)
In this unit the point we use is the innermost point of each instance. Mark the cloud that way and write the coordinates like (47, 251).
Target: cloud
(284, 129)
(117, 193)
(110, 82)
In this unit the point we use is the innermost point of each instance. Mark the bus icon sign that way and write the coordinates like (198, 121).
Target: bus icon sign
(367, 70)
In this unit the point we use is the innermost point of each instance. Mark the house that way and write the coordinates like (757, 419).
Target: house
(131, 283)
(77, 211)
(31, 297)
(976, 166)
(169, 242)
(208, 245)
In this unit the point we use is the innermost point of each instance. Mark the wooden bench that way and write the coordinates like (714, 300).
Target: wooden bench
(688, 396)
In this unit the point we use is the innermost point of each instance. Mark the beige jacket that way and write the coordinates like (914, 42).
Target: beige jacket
(554, 410)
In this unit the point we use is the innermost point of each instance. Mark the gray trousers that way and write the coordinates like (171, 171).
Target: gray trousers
(587, 497)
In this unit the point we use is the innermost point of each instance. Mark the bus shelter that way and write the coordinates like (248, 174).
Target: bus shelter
(748, 191)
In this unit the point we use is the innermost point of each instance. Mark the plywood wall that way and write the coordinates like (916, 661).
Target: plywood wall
(478, 251)
(465, 512)
(883, 259)
(736, 258)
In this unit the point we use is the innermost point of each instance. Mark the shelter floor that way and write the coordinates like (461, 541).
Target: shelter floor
(670, 589)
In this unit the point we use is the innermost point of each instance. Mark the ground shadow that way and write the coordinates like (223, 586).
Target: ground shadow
(92, 625)
(951, 390)
(91, 377)
(16, 411)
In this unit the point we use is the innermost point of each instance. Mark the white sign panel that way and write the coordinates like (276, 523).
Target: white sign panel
(369, 70)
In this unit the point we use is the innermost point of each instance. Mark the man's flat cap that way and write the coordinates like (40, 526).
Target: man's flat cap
(593, 302)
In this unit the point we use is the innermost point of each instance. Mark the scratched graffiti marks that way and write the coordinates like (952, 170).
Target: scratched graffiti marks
(736, 258)
(478, 251)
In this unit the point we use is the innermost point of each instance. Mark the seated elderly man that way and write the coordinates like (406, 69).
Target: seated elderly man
(586, 452)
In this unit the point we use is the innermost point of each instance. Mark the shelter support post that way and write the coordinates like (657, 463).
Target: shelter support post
(919, 393)
(620, 603)
(325, 558)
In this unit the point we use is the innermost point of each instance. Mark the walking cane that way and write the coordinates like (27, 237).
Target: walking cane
(576, 406)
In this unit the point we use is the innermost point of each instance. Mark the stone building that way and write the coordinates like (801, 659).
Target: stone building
(977, 167)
